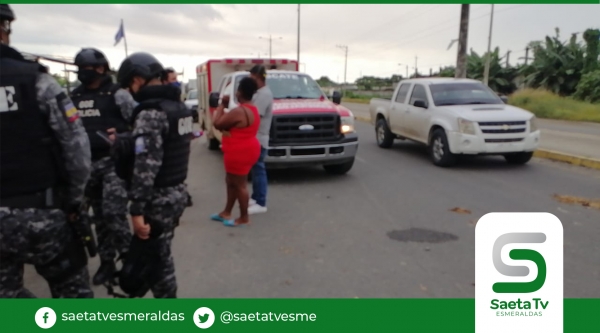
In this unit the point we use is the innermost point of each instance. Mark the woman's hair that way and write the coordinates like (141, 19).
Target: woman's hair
(247, 88)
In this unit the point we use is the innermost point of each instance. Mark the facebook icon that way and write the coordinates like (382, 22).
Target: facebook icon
(45, 317)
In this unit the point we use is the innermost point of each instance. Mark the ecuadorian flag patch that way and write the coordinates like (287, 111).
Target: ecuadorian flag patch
(72, 113)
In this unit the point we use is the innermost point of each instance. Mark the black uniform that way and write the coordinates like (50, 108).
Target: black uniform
(45, 163)
(162, 132)
(107, 106)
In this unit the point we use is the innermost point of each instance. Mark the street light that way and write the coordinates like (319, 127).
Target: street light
(399, 64)
(270, 39)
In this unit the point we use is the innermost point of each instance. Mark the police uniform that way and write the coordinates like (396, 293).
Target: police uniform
(45, 163)
(106, 107)
(162, 131)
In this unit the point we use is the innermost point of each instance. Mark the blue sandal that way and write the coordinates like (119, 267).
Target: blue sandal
(231, 223)
(216, 217)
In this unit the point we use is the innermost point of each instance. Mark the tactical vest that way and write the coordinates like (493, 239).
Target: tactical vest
(176, 143)
(28, 149)
(99, 112)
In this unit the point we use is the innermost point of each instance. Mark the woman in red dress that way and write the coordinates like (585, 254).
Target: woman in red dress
(241, 149)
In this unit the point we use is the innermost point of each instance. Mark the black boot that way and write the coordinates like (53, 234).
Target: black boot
(105, 273)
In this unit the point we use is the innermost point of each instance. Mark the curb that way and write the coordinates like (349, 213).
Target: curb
(571, 159)
(544, 153)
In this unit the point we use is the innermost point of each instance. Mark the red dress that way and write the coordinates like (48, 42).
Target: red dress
(241, 149)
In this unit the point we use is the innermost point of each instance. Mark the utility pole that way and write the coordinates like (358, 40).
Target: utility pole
(461, 59)
(507, 57)
(526, 55)
(345, 48)
(430, 72)
(416, 72)
(298, 55)
(270, 39)
(486, 72)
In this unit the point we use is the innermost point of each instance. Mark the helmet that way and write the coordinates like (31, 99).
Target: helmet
(6, 14)
(142, 264)
(139, 64)
(90, 57)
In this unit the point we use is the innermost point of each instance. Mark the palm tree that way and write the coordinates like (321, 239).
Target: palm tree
(501, 79)
(557, 66)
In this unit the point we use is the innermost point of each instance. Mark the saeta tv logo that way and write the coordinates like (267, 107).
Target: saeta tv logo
(519, 273)
(519, 254)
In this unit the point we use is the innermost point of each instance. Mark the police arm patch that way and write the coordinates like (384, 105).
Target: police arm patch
(71, 112)
(140, 145)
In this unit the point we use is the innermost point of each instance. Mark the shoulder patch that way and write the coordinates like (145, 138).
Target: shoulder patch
(71, 112)
(140, 145)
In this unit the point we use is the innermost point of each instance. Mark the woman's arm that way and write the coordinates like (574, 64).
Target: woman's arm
(225, 121)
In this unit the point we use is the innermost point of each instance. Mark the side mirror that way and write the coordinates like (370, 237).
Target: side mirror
(213, 100)
(336, 98)
(504, 99)
(420, 104)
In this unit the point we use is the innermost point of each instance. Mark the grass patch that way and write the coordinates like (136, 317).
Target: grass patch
(356, 100)
(545, 104)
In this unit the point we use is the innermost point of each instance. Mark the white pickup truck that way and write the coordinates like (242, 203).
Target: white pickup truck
(452, 117)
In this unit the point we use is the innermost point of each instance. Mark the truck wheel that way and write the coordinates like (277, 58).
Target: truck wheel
(518, 158)
(339, 169)
(213, 144)
(384, 136)
(439, 150)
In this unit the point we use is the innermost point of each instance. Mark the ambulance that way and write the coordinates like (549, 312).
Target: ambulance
(307, 127)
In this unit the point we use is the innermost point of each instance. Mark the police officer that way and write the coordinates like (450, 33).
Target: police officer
(161, 134)
(104, 107)
(45, 163)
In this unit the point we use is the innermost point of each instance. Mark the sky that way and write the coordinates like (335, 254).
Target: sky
(382, 40)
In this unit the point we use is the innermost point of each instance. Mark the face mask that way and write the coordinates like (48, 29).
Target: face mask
(87, 76)
(176, 84)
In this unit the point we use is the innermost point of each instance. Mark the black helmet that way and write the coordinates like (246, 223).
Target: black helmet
(90, 57)
(6, 14)
(142, 265)
(139, 64)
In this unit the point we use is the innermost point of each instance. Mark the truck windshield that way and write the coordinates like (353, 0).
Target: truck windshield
(290, 86)
(463, 94)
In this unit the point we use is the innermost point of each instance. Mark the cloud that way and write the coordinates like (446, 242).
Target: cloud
(379, 37)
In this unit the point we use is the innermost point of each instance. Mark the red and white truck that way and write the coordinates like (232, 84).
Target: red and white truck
(307, 128)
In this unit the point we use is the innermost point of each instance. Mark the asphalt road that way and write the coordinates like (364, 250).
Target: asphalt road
(328, 236)
(578, 138)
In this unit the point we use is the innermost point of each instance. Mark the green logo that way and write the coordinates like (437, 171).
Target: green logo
(519, 254)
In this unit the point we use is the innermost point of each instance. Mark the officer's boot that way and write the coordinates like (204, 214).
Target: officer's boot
(105, 273)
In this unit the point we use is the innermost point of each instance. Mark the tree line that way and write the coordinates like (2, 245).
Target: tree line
(565, 67)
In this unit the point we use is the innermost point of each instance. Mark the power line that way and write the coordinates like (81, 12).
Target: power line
(442, 28)
(394, 20)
